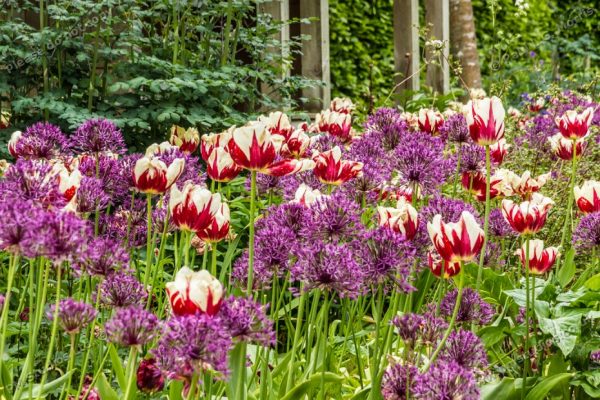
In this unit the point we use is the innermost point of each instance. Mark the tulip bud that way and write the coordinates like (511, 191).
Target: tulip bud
(220, 167)
(335, 123)
(253, 147)
(563, 148)
(342, 105)
(587, 197)
(151, 175)
(193, 208)
(485, 118)
(186, 139)
(456, 241)
(540, 259)
(573, 125)
(194, 292)
(149, 377)
(430, 120)
(403, 218)
(529, 216)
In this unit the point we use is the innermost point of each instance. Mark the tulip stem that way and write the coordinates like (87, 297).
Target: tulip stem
(213, 261)
(251, 232)
(148, 238)
(440, 346)
(526, 344)
(297, 335)
(486, 221)
(568, 216)
(5, 307)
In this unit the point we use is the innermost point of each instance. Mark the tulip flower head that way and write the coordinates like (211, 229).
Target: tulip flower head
(12, 143)
(193, 208)
(475, 182)
(332, 170)
(186, 139)
(342, 105)
(194, 292)
(5, 119)
(335, 123)
(574, 125)
(529, 216)
(457, 241)
(485, 118)
(524, 185)
(68, 182)
(403, 218)
(587, 197)
(151, 175)
(499, 150)
(430, 120)
(296, 144)
(220, 166)
(307, 196)
(218, 229)
(540, 259)
(277, 123)
(440, 267)
(563, 148)
(209, 142)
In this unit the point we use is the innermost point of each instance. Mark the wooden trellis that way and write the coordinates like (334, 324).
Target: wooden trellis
(314, 62)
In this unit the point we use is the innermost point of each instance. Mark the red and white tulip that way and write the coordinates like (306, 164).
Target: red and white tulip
(218, 229)
(528, 216)
(430, 120)
(332, 170)
(220, 166)
(296, 145)
(475, 182)
(253, 147)
(540, 259)
(485, 118)
(587, 197)
(307, 196)
(524, 185)
(277, 123)
(209, 142)
(195, 292)
(563, 148)
(457, 241)
(574, 125)
(335, 123)
(342, 105)
(194, 207)
(186, 139)
(440, 267)
(12, 143)
(68, 182)
(402, 219)
(151, 175)
(499, 150)
(537, 105)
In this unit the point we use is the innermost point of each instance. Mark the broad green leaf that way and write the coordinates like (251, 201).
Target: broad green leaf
(503, 389)
(314, 381)
(117, 366)
(567, 271)
(541, 389)
(564, 331)
(42, 391)
(593, 283)
(105, 390)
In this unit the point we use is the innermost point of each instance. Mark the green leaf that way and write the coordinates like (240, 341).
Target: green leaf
(567, 271)
(593, 283)
(117, 367)
(564, 331)
(105, 390)
(42, 391)
(314, 381)
(540, 390)
(504, 389)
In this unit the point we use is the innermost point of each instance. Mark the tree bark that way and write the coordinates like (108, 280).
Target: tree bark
(464, 41)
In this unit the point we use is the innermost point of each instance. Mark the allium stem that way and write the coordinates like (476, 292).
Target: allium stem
(486, 221)
(325, 340)
(12, 266)
(568, 216)
(54, 330)
(131, 362)
(148, 238)
(67, 385)
(297, 336)
(455, 184)
(251, 232)
(526, 344)
(440, 346)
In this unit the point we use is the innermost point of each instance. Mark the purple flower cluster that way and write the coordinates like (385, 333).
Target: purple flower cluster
(132, 326)
(122, 290)
(104, 256)
(72, 315)
(455, 130)
(472, 308)
(397, 382)
(41, 141)
(246, 321)
(446, 381)
(98, 136)
(587, 234)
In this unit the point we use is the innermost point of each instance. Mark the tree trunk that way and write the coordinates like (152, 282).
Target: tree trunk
(464, 42)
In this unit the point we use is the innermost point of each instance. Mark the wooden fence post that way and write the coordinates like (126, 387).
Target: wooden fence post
(406, 44)
(437, 15)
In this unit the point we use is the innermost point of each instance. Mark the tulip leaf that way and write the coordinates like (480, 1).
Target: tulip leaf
(105, 391)
(541, 389)
(39, 391)
(593, 283)
(564, 331)
(314, 381)
(117, 366)
(567, 271)
(503, 389)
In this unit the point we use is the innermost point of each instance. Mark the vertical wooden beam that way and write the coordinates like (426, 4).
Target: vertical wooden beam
(406, 43)
(279, 10)
(315, 53)
(437, 16)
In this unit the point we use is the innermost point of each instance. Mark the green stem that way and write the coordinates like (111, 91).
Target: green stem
(454, 185)
(297, 336)
(568, 216)
(131, 363)
(93, 67)
(67, 385)
(213, 261)
(251, 233)
(526, 343)
(452, 320)
(148, 238)
(325, 340)
(44, 56)
(486, 221)
(54, 331)
(12, 267)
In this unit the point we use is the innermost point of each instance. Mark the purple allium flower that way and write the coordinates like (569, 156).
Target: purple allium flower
(110, 172)
(17, 218)
(91, 196)
(58, 236)
(328, 142)
(472, 309)
(193, 343)
(149, 377)
(33, 180)
(132, 326)
(329, 267)
(73, 315)
(395, 379)
(456, 130)
(388, 126)
(385, 255)
(449, 209)
(191, 170)
(433, 326)
(465, 349)
(104, 257)
(446, 381)
(126, 225)
(595, 357)
(409, 327)
(472, 158)
(421, 162)
(377, 162)
(289, 184)
(41, 140)
(246, 321)
(98, 136)
(538, 130)
(292, 216)
(265, 184)
(587, 234)
(337, 220)
(498, 226)
(122, 290)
